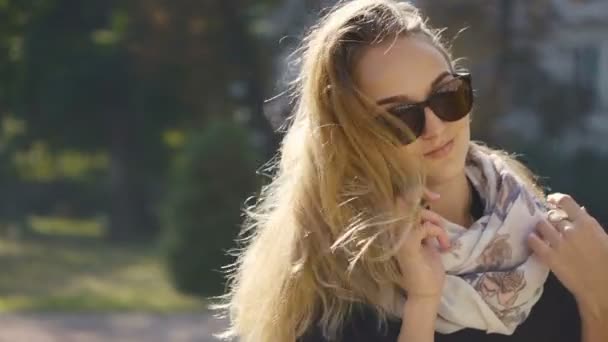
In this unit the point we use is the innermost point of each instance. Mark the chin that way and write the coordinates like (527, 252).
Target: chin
(444, 170)
(444, 174)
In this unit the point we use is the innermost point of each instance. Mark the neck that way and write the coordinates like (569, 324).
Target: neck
(455, 201)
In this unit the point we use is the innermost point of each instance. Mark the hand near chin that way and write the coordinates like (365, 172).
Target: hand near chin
(419, 258)
(574, 245)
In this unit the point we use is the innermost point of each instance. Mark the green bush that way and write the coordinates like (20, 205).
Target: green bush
(211, 179)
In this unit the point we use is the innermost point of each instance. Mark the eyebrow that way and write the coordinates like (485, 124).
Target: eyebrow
(405, 98)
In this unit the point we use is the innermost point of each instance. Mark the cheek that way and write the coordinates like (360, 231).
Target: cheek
(463, 139)
(464, 132)
(414, 149)
(462, 135)
(460, 130)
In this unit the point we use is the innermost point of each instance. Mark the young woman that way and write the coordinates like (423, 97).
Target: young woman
(385, 222)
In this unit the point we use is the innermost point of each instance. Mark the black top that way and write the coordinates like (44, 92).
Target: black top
(554, 318)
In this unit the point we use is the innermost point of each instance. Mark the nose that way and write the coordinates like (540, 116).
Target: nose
(433, 126)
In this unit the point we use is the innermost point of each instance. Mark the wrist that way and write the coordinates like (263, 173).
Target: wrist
(419, 315)
(594, 320)
(422, 307)
(595, 310)
(423, 300)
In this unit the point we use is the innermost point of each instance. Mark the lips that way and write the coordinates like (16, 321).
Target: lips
(436, 149)
(441, 151)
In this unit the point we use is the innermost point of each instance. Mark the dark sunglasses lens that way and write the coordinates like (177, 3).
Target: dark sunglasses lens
(413, 118)
(453, 105)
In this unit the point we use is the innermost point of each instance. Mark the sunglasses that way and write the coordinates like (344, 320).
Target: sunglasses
(451, 101)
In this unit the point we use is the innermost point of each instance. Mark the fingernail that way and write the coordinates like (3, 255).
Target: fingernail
(554, 196)
(556, 215)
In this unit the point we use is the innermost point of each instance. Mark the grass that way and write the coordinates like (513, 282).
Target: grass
(85, 274)
(60, 226)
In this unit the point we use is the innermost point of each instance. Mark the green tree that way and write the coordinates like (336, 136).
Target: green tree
(212, 177)
(78, 89)
(115, 75)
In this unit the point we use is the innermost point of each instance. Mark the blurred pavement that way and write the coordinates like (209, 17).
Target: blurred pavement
(119, 327)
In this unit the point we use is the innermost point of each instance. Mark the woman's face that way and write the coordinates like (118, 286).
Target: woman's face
(413, 68)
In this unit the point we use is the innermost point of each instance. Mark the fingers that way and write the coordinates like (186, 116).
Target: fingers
(431, 216)
(430, 229)
(556, 215)
(568, 204)
(540, 247)
(432, 224)
(549, 233)
(428, 196)
(563, 225)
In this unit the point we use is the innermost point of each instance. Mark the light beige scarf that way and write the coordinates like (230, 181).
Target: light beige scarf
(492, 279)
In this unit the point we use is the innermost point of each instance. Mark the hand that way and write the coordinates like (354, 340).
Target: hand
(575, 247)
(419, 259)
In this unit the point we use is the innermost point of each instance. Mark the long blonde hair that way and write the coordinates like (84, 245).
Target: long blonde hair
(322, 235)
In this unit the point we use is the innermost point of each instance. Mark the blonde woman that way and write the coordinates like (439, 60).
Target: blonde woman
(385, 222)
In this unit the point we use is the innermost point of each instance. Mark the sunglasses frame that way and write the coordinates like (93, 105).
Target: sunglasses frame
(405, 137)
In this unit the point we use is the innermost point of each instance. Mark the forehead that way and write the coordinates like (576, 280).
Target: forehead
(405, 66)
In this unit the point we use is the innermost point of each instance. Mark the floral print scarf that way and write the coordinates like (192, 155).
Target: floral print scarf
(492, 279)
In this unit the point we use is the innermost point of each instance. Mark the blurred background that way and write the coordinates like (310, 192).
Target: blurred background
(131, 132)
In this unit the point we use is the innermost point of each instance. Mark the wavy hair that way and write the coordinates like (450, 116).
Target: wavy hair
(323, 233)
